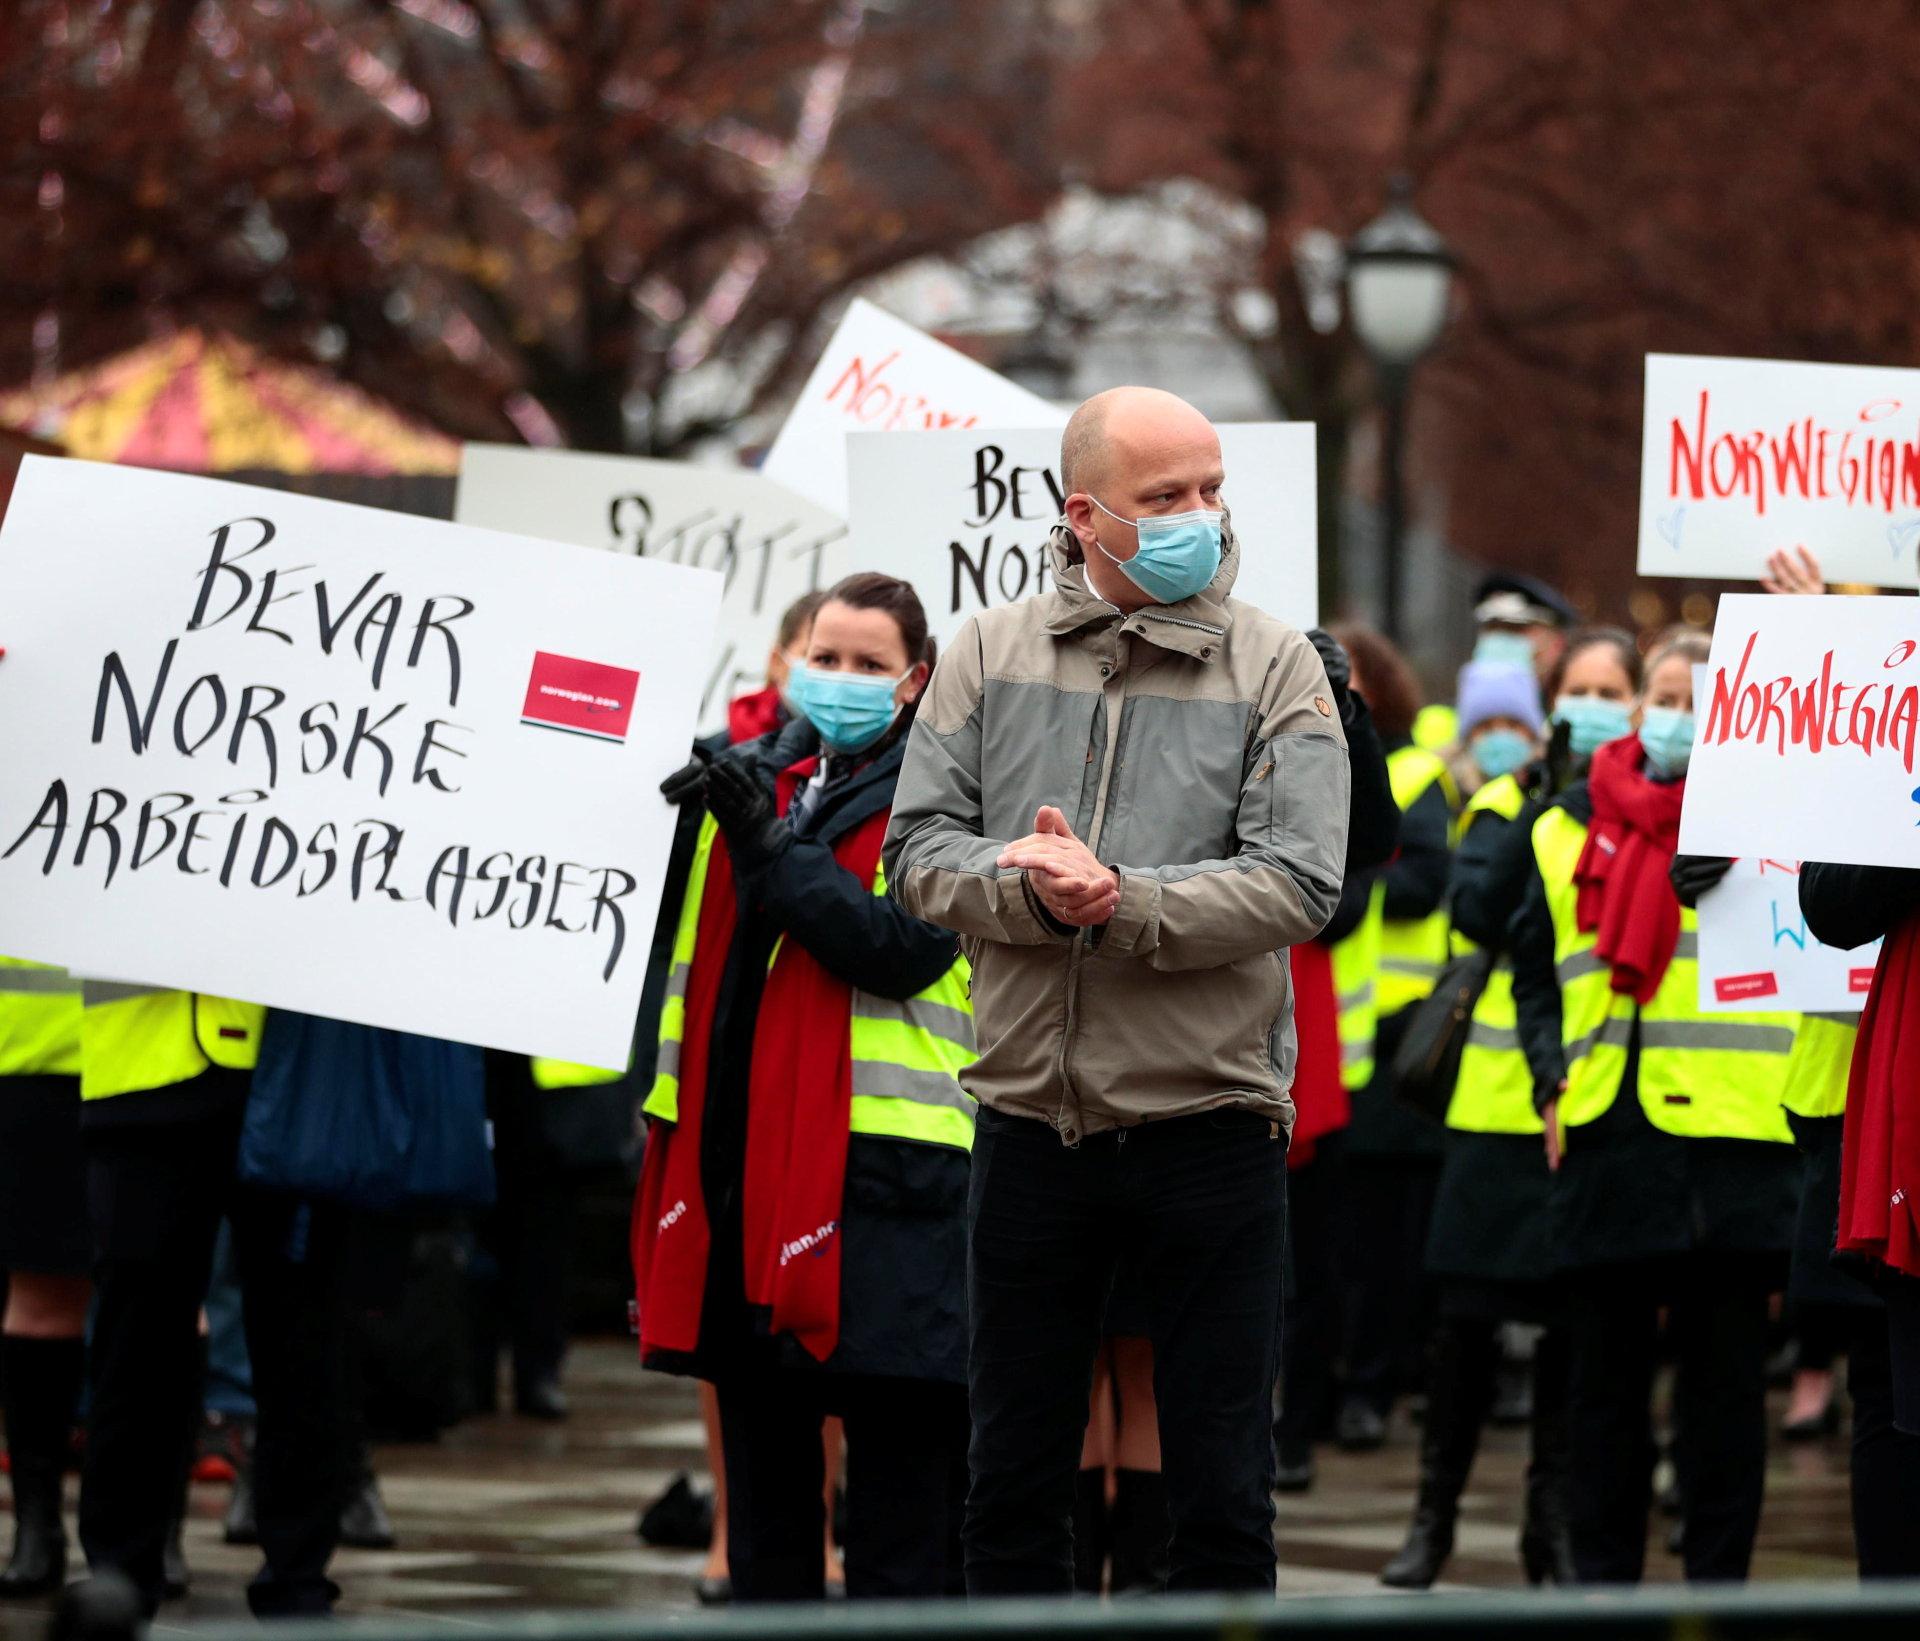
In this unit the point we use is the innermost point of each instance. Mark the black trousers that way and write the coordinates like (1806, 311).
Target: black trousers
(1387, 1206)
(1312, 1334)
(1718, 1330)
(906, 1477)
(529, 1232)
(1886, 1460)
(1199, 1204)
(156, 1194)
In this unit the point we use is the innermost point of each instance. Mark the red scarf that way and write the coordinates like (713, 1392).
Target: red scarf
(751, 716)
(1320, 1101)
(799, 1104)
(1625, 892)
(1880, 1163)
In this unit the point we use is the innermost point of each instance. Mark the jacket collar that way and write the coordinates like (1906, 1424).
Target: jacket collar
(1192, 627)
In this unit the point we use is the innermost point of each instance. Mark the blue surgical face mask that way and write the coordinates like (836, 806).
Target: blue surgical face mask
(851, 710)
(1500, 752)
(1179, 553)
(1591, 722)
(1507, 649)
(1666, 733)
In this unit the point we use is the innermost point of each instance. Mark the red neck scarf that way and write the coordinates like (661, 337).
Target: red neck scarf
(1625, 893)
(799, 1108)
(751, 716)
(1320, 1101)
(1880, 1164)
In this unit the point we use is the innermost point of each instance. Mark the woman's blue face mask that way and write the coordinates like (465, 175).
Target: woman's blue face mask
(1592, 721)
(851, 710)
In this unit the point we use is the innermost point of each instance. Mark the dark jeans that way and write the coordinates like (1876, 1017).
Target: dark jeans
(1199, 1205)
(1386, 1209)
(1312, 1334)
(529, 1232)
(156, 1194)
(1886, 1460)
(906, 1478)
(1718, 1330)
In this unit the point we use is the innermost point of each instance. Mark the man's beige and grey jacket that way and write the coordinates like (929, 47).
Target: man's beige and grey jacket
(1196, 748)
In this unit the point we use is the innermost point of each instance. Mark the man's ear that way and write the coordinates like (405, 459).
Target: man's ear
(1079, 521)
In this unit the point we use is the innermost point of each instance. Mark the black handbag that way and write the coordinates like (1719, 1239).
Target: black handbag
(1427, 1063)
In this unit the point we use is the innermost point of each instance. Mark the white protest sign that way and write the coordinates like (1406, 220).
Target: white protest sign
(880, 375)
(1756, 949)
(340, 760)
(964, 515)
(1806, 732)
(771, 545)
(1742, 456)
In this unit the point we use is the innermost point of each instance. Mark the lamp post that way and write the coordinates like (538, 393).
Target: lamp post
(1399, 281)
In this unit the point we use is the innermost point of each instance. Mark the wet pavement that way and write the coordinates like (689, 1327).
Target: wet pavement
(507, 1513)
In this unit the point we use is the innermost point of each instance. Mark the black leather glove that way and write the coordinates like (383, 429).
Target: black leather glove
(1333, 658)
(688, 783)
(743, 807)
(1693, 875)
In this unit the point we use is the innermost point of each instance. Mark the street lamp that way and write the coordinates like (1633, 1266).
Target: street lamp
(1399, 282)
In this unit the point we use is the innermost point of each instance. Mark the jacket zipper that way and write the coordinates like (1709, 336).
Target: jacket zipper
(1113, 694)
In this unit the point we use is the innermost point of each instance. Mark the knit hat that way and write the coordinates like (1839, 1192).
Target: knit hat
(1494, 689)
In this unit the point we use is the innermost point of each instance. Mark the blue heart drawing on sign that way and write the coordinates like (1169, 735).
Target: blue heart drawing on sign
(1669, 527)
(1901, 536)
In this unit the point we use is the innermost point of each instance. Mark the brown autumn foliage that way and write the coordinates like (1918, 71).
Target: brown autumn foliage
(507, 216)
(1617, 177)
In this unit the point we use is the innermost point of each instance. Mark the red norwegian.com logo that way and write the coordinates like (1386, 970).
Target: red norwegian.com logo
(581, 697)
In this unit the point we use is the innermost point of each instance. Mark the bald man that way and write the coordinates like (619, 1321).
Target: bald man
(1128, 796)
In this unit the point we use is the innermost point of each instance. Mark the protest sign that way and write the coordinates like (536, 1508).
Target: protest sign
(880, 375)
(334, 759)
(1806, 732)
(1756, 950)
(1742, 456)
(770, 545)
(964, 515)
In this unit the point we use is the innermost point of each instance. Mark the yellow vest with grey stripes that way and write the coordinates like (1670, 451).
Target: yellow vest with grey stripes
(1356, 979)
(907, 1055)
(1702, 1076)
(1494, 1093)
(1821, 1063)
(39, 1020)
(1413, 951)
(134, 1038)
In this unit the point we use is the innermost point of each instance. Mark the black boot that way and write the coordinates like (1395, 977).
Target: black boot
(1546, 1545)
(1141, 1532)
(1090, 1531)
(41, 1390)
(364, 1523)
(1459, 1391)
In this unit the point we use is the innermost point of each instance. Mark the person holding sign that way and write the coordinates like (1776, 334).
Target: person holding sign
(1129, 796)
(798, 1240)
(1674, 1176)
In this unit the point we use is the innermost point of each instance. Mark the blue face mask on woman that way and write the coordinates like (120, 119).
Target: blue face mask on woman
(1591, 722)
(1666, 735)
(1500, 752)
(1178, 554)
(851, 710)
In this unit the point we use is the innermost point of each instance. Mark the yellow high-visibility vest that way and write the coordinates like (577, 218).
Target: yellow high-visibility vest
(1818, 1067)
(140, 1037)
(1436, 727)
(550, 1074)
(1494, 1093)
(1702, 1076)
(39, 1020)
(1413, 951)
(1356, 980)
(907, 1055)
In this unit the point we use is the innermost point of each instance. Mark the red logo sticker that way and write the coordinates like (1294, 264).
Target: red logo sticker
(1860, 981)
(581, 697)
(1733, 988)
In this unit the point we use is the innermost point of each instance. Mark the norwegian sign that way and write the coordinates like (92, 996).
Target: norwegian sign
(302, 753)
(880, 375)
(965, 515)
(1740, 457)
(1756, 950)
(769, 545)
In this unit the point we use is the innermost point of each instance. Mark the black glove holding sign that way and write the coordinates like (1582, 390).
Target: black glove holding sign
(1693, 875)
(744, 811)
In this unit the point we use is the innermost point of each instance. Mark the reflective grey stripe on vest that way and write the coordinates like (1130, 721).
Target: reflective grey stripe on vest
(666, 1063)
(1353, 1054)
(884, 1080)
(677, 980)
(1359, 997)
(1733, 1036)
(1613, 1032)
(1580, 964)
(1499, 1038)
(941, 1020)
(96, 992)
(43, 982)
(1423, 967)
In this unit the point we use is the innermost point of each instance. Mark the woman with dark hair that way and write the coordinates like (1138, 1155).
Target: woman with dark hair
(798, 1233)
(1674, 1176)
(1489, 1251)
(1392, 1155)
